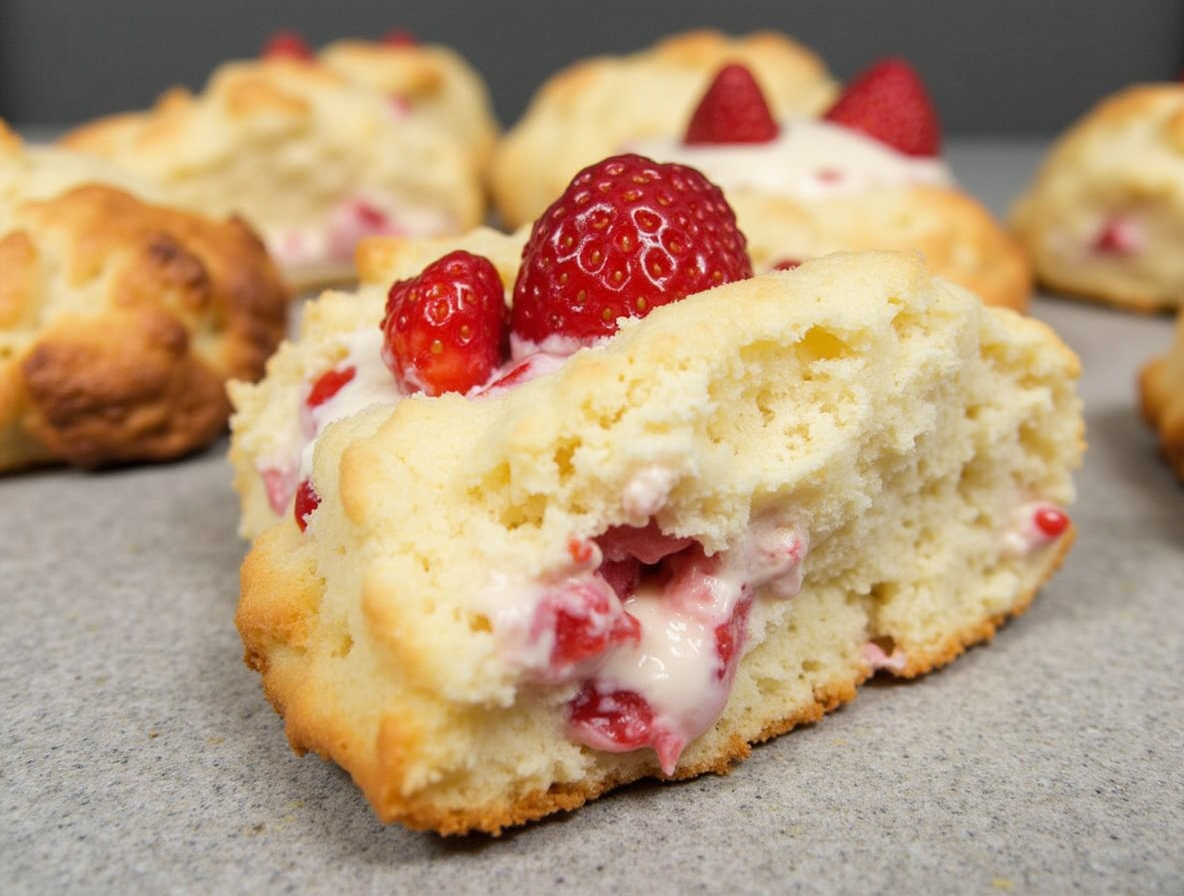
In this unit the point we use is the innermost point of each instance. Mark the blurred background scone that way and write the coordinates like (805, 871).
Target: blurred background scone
(595, 107)
(1161, 390)
(120, 321)
(316, 154)
(1104, 217)
(830, 171)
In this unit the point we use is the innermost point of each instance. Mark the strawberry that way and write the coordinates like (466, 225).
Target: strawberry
(397, 37)
(733, 110)
(445, 329)
(287, 45)
(787, 264)
(628, 234)
(890, 103)
(329, 384)
(307, 500)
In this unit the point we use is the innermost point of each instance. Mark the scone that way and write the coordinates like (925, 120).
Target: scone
(597, 107)
(119, 321)
(314, 154)
(861, 172)
(1161, 390)
(647, 540)
(1104, 217)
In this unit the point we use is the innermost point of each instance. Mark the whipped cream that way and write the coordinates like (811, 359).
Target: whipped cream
(809, 159)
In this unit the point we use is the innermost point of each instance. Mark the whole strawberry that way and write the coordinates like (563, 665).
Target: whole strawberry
(628, 234)
(733, 110)
(287, 45)
(890, 103)
(445, 330)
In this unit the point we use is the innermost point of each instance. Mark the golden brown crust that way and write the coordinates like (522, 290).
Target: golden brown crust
(119, 322)
(1161, 399)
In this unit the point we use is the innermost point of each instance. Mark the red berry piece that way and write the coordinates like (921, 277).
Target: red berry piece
(890, 103)
(733, 110)
(329, 384)
(445, 330)
(307, 500)
(627, 235)
(647, 543)
(397, 37)
(619, 721)
(730, 637)
(1120, 235)
(787, 264)
(586, 619)
(1051, 521)
(623, 576)
(616, 720)
(287, 45)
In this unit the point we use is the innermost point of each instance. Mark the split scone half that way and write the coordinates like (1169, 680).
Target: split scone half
(1104, 217)
(315, 155)
(642, 558)
(1161, 390)
(120, 320)
(809, 170)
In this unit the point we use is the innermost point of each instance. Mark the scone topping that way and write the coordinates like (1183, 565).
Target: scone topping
(287, 45)
(733, 110)
(627, 235)
(890, 103)
(444, 330)
(1037, 524)
(329, 384)
(307, 500)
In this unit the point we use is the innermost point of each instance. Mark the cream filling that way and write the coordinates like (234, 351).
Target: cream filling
(333, 240)
(809, 159)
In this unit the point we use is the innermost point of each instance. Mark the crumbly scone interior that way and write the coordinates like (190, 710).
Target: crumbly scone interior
(899, 422)
(1120, 166)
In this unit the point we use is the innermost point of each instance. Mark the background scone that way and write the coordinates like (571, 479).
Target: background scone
(1104, 217)
(596, 107)
(808, 173)
(435, 80)
(815, 474)
(120, 320)
(1161, 390)
(315, 156)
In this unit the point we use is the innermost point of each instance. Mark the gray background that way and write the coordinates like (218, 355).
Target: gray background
(995, 66)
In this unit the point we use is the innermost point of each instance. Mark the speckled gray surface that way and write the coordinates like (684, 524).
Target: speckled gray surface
(137, 753)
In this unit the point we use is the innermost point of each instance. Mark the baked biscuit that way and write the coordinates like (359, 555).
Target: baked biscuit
(119, 320)
(597, 107)
(312, 157)
(814, 187)
(1161, 390)
(816, 473)
(1104, 216)
(435, 80)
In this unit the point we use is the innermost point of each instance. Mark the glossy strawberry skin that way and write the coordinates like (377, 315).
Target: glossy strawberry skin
(627, 235)
(890, 103)
(287, 45)
(733, 110)
(445, 329)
